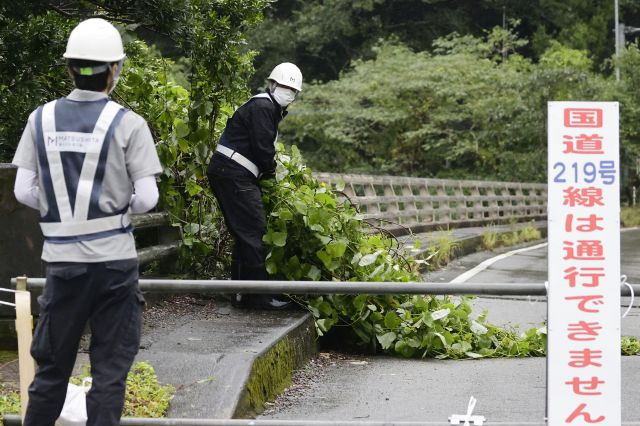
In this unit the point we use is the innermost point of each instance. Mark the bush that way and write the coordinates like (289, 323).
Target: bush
(630, 217)
(489, 239)
(529, 233)
(313, 236)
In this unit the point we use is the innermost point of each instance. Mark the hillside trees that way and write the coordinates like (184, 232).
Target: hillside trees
(33, 37)
(325, 37)
(465, 110)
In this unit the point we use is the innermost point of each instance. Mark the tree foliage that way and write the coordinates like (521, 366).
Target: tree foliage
(185, 121)
(208, 33)
(32, 40)
(326, 37)
(472, 108)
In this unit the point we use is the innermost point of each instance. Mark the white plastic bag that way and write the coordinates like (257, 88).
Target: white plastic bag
(74, 411)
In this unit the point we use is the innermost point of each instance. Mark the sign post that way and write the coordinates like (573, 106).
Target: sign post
(583, 355)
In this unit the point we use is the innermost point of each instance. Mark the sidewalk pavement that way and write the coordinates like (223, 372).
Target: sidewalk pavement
(224, 362)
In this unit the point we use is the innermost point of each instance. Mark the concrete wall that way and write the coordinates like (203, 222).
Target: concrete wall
(20, 247)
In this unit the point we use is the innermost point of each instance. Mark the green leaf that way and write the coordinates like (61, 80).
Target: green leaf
(387, 339)
(369, 258)
(359, 301)
(279, 239)
(183, 145)
(336, 248)
(272, 267)
(442, 339)
(324, 324)
(314, 273)
(440, 314)
(323, 238)
(300, 206)
(327, 260)
(285, 214)
(391, 320)
(404, 349)
(181, 128)
(193, 188)
(377, 271)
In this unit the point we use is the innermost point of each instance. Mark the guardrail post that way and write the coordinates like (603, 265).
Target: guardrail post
(24, 330)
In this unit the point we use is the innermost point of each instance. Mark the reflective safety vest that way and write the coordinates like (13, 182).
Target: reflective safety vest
(72, 143)
(228, 151)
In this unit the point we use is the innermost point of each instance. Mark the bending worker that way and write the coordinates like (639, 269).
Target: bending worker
(245, 154)
(79, 159)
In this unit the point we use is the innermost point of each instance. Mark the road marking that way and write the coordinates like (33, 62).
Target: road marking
(484, 265)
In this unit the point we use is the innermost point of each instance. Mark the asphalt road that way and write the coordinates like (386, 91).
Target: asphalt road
(507, 390)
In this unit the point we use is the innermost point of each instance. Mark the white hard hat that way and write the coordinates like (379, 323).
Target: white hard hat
(95, 40)
(287, 74)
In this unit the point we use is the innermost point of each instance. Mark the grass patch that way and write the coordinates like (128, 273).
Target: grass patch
(145, 397)
(8, 356)
(9, 401)
(442, 250)
(510, 238)
(529, 233)
(630, 217)
(630, 345)
(490, 240)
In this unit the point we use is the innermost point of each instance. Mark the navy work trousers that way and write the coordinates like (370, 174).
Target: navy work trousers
(240, 199)
(105, 295)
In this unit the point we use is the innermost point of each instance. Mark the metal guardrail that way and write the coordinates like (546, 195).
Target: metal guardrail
(130, 421)
(337, 287)
(317, 287)
(167, 238)
(394, 202)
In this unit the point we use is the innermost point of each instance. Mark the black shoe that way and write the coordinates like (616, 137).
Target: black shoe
(271, 302)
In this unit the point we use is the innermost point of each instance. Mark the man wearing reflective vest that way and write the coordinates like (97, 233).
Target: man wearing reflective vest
(245, 154)
(79, 161)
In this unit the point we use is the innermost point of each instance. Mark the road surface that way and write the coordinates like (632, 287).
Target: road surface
(336, 387)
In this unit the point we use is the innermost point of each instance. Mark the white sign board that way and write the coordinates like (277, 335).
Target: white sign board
(583, 358)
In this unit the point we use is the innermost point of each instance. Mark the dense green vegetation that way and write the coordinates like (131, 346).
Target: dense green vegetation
(464, 110)
(314, 236)
(408, 96)
(324, 37)
(185, 119)
(145, 396)
(630, 217)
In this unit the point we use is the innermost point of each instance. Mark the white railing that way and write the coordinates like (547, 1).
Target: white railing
(394, 202)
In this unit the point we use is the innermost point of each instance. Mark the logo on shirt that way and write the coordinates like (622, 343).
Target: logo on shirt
(72, 142)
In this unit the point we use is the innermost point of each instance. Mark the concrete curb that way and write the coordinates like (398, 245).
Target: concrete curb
(469, 240)
(273, 368)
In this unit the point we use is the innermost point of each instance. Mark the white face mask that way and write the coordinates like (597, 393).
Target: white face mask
(283, 95)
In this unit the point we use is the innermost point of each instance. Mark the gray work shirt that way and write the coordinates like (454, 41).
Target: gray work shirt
(132, 155)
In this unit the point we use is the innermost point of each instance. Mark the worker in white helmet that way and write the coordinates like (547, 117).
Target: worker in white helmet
(245, 154)
(79, 161)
